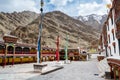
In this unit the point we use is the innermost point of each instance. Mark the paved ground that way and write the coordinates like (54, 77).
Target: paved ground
(73, 71)
(80, 70)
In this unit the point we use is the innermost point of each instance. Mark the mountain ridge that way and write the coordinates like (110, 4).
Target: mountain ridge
(57, 23)
(93, 20)
(10, 21)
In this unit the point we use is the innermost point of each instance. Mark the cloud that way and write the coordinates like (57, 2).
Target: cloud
(60, 2)
(107, 1)
(93, 8)
(66, 6)
(18, 5)
(70, 7)
(80, 7)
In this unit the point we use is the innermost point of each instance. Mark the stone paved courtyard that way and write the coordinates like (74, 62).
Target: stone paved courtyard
(77, 70)
(83, 70)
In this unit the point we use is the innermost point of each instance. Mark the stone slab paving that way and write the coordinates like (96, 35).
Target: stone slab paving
(17, 72)
(79, 70)
(22, 71)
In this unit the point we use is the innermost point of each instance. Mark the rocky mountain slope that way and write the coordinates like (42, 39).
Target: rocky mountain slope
(94, 20)
(54, 24)
(10, 21)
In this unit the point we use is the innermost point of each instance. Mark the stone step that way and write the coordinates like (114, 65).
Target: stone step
(51, 69)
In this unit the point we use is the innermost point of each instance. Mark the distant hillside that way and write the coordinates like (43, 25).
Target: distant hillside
(54, 24)
(10, 21)
(93, 20)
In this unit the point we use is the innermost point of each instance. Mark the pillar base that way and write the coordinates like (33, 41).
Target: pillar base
(39, 67)
(67, 61)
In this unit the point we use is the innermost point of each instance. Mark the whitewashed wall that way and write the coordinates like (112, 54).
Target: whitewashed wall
(109, 32)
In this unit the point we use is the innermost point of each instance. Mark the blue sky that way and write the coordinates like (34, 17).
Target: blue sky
(70, 7)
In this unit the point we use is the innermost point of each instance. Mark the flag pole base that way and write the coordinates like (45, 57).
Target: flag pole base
(39, 67)
(67, 61)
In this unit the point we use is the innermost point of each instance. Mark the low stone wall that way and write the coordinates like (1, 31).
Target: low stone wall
(93, 55)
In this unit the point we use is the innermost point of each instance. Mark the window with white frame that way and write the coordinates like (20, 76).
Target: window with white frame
(110, 50)
(114, 47)
(113, 34)
(108, 27)
(109, 38)
(112, 21)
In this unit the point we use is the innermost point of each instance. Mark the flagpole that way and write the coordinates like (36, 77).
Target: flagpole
(57, 50)
(40, 33)
(66, 48)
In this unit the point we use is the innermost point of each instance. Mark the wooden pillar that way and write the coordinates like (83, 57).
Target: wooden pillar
(4, 60)
(13, 54)
(22, 56)
(119, 72)
(114, 72)
(57, 50)
(111, 71)
(22, 50)
(21, 60)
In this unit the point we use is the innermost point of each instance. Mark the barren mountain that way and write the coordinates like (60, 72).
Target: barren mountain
(54, 24)
(10, 21)
(93, 20)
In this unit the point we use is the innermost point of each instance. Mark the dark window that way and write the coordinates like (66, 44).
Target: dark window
(110, 52)
(108, 27)
(114, 49)
(10, 50)
(112, 20)
(18, 50)
(119, 45)
(26, 50)
(109, 38)
(113, 36)
(2, 49)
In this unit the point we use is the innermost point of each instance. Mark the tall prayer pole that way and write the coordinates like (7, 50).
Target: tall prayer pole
(66, 48)
(40, 33)
(57, 50)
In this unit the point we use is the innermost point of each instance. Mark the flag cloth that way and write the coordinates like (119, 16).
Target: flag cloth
(38, 50)
(66, 48)
(40, 34)
(57, 50)
(39, 43)
(66, 57)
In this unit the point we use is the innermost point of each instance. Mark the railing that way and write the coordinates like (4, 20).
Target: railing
(2, 55)
(114, 67)
(117, 18)
(100, 57)
(21, 55)
(118, 34)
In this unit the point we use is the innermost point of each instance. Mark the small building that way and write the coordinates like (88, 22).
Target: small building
(13, 52)
(73, 54)
(48, 54)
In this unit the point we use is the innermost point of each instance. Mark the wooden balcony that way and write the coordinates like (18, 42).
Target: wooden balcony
(114, 64)
(118, 34)
(100, 57)
(117, 20)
